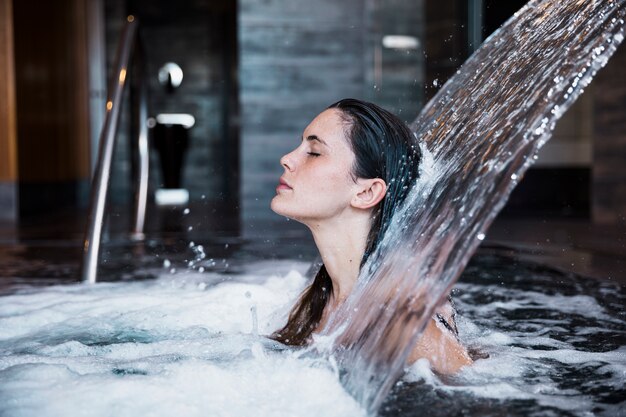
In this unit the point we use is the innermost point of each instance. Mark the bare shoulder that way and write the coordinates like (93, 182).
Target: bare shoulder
(439, 344)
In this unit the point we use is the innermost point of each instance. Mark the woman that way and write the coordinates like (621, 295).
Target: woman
(344, 181)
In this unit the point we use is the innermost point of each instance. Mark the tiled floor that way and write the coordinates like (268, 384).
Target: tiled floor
(579, 246)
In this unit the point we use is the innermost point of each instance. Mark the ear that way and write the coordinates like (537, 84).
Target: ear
(371, 192)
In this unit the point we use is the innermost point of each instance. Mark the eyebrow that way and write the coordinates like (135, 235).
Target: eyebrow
(314, 137)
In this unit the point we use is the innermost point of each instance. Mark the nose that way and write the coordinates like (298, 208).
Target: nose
(287, 162)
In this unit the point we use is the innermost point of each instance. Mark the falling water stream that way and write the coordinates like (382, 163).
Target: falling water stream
(482, 131)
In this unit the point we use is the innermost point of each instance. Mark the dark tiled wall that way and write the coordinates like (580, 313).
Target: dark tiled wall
(397, 76)
(445, 41)
(194, 35)
(609, 146)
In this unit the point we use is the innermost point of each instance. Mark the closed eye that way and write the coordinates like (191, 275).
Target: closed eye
(313, 153)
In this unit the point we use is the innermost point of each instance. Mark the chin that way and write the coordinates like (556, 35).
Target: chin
(279, 208)
(276, 206)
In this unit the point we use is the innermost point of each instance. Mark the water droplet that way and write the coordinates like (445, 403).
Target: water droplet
(190, 228)
(514, 177)
(166, 263)
(201, 269)
(481, 236)
(186, 211)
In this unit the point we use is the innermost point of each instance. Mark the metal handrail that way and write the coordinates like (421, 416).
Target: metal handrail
(102, 173)
(141, 191)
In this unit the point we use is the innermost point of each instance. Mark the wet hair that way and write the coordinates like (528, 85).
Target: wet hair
(384, 148)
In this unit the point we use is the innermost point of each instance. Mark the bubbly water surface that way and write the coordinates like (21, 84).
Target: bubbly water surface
(191, 344)
(184, 344)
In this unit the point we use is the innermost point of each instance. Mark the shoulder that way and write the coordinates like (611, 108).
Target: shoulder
(440, 344)
(445, 316)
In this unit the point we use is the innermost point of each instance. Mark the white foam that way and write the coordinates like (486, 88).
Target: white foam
(527, 355)
(187, 344)
(162, 348)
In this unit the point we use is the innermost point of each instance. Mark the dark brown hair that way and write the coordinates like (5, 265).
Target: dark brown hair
(384, 148)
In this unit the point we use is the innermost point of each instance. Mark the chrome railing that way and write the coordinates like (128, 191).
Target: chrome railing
(141, 180)
(102, 174)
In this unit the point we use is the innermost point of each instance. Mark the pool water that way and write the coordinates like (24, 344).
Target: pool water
(556, 345)
(184, 336)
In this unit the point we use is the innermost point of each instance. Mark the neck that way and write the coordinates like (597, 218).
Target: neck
(341, 243)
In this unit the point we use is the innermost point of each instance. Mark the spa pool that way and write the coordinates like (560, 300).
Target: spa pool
(183, 335)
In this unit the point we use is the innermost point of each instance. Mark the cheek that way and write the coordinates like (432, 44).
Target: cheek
(340, 185)
(334, 189)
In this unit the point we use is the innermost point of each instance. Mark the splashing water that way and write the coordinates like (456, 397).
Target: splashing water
(483, 129)
(189, 344)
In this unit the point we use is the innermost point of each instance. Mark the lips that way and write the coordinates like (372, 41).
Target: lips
(283, 185)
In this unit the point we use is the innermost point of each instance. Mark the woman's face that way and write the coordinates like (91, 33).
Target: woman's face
(317, 183)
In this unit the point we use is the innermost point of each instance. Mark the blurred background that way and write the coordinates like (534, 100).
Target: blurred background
(232, 85)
